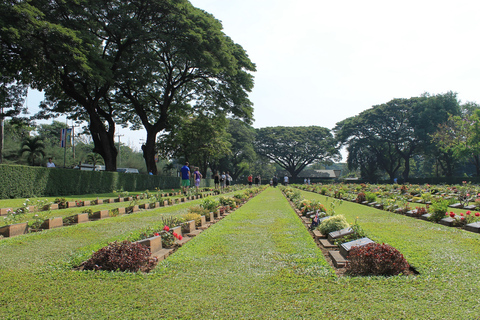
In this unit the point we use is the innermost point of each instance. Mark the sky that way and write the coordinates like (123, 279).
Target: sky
(319, 62)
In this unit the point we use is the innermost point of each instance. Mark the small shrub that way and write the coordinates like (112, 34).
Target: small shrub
(62, 202)
(122, 256)
(370, 197)
(419, 211)
(334, 223)
(113, 212)
(361, 197)
(194, 216)
(209, 204)
(168, 240)
(438, 209)
(358, 233)
(376, 259)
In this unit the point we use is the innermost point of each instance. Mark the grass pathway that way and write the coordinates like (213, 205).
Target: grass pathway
(258, 263)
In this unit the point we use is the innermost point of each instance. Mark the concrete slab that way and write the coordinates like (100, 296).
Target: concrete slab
(339, 261)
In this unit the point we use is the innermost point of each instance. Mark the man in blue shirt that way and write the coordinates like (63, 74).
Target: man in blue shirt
(185, 177)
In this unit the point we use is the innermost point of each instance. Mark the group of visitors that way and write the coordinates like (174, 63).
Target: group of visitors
(197, 177)
(274, 181)
(250, 180)
(222, 180)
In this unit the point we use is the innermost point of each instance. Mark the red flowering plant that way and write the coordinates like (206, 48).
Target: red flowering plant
(361, 197)
(376, 259)
(121, 256)
(419, 211)
(462, 219)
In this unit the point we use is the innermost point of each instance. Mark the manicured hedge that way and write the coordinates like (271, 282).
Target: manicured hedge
(24, 181)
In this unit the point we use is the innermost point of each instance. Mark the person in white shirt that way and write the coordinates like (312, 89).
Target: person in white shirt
(50, 163)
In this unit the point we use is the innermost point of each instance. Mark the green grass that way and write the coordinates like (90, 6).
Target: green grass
(260, 262)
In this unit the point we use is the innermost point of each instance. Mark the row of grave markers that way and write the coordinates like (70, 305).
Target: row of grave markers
(56, 222)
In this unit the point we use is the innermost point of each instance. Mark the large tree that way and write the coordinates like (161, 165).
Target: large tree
(198, 139)
(294, 148)
(188, 63)
(241, 152)
(400, 127)
(75, 50)
(459, 136)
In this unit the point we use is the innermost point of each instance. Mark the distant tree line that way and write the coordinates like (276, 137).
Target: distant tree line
(432, 134)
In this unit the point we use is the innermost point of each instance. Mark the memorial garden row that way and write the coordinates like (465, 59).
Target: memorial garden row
(157, 243)
(39, 216)
(347, 246)
(453, 206)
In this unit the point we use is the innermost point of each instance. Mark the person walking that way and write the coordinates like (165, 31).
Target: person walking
(257, 180)
(185, 178)
(223, 178)
(216, 180)
(275, 181)
(228, 178)
(285, 180)
(250, 180)
(197, 176)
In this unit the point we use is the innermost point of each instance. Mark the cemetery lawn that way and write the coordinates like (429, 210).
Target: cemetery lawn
(259, 262)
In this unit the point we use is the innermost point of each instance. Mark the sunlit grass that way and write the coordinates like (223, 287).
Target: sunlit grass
(260, 262)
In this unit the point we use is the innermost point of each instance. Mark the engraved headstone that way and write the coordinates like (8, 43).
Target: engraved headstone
(456, 205)
(339, 234)
(473, 227)
(347, 246)
(448, 221)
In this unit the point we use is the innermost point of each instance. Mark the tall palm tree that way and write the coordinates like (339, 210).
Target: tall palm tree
(34, 147)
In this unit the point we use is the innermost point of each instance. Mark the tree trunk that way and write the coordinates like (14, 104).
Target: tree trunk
(476, 161)
(104, 143)
(149, 152)
(406, 171)
(1, 139)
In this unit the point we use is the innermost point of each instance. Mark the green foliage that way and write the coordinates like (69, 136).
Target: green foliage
(309, 145)
(227, 201)
(335, 223)
(209, 204)
(438, 209)
(371, 197)
(23, 181)
(193, 216)
(358, 233)
(199, 210)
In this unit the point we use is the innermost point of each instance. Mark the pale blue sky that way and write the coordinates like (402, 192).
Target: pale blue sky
(319, 62)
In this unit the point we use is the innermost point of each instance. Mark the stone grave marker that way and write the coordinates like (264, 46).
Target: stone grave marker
(409, 213)
(52, 223)
(456, 206)
(5, 211)
(339, 234)
(426, 216)
(447, 221)
(14, 229)
(346, 247)
(470, 207)
(473, 227)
